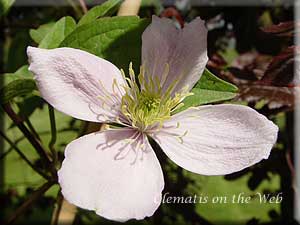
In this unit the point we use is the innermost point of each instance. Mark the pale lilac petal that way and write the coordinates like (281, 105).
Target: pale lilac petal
(105, 173)
(217, 140)
(76, 82)
(184, 50)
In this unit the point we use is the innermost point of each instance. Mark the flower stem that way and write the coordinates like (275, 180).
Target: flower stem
(57, 209)
(83, 6)
(31, 138)
(53, 134)
(4, 154)
(31, 128)
(83, 128)
(77, 10)
(23, 156)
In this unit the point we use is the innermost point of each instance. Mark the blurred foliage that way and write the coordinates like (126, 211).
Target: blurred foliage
(250, 47)
(5, 5)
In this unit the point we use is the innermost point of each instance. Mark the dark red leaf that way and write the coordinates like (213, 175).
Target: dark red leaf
(284, 29)
(275, 97)
(244, 60)
(171, 12)
(216, 61)
(280, 72)
(250, 65)
(242, 74)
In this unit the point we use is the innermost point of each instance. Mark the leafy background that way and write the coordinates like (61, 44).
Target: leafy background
(250, 47)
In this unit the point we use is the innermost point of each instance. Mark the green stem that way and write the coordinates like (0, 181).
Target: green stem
(31, 128)
(23, 156)
(77, 10)
(83, 128)
(83, 6)
(57, 209)
(31, 138)
(53, 134)
(4, 154)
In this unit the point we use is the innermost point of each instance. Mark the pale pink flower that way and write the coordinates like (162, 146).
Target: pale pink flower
(115, 172)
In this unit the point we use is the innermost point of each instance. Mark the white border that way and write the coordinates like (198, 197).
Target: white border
(243, 3)
(165, 2)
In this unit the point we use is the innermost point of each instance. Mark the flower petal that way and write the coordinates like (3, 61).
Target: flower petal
(101, 172)
(76, 82)
(184, 50)
(216, 140)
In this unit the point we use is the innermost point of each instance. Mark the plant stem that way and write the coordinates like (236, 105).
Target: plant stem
(28, 203)
(83, 6)
(53, 134)
(76, 9)
(83, 128)
(31, 138)
(4, 154)
(67, 213)
(57, 209)
(31, 128)
(23, 156)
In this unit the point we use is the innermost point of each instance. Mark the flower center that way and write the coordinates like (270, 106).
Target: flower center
(148, 103)
(145, 105)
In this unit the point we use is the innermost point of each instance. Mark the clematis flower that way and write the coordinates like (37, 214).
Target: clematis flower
(115, 172)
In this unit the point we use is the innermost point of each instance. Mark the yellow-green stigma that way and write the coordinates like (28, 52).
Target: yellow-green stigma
(148, 103)
(145, 104)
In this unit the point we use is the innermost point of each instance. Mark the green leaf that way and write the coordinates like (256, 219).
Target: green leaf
(21, 73)
(29, 104)
(116, 39)
(108, 8)
(40, 33)
(211, 82)
(16, 88)
(57, 34)
(209, 89)
(16, 84)
(5, 6)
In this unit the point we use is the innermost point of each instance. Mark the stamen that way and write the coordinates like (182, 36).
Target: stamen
(177, 107)
(129, 141)
(147, 106)
(114, 86)
(179, 137)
